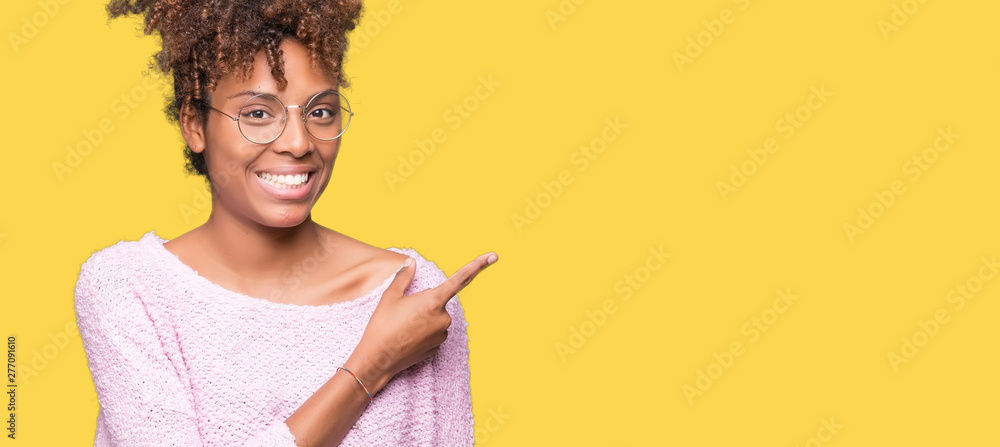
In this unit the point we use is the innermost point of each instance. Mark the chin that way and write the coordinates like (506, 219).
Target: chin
(286, 220)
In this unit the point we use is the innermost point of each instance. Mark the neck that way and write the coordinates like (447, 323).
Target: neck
(250, 249)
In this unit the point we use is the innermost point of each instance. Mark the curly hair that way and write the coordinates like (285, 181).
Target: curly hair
(204, 41)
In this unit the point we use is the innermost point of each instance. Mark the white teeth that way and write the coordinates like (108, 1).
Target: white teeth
(284, 181)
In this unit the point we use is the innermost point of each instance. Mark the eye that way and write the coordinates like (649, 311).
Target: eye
(256, 114)
(322, 113)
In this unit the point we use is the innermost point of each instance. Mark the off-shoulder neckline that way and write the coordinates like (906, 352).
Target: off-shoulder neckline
(157, 242)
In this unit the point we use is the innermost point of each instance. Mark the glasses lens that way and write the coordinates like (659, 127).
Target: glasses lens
(327, 115)
(262, 118)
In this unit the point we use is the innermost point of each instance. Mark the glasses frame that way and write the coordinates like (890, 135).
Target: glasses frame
(302, 116)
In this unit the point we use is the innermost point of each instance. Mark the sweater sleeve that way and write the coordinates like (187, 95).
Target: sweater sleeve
(142, 397)
(453, 398)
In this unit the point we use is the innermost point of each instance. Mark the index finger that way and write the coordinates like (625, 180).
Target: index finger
(464, 276)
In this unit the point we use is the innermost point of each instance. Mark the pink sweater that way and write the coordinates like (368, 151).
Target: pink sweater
(178, 360)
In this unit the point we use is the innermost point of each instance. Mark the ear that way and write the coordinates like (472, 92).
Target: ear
(192, 128)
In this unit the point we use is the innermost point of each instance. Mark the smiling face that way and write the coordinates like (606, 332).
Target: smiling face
(274, 184)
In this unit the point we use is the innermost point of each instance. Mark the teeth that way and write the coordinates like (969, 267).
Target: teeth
(284, 181)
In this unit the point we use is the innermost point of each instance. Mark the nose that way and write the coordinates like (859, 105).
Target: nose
(294, 139)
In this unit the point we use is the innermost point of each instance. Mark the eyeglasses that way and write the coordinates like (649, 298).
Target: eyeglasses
(262, 117)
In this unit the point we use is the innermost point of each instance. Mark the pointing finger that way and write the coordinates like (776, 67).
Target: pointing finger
(464, 276)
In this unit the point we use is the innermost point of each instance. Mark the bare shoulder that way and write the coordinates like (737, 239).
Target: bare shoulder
(183, 246)
(375, 262)
(375, 259)
(180, 244)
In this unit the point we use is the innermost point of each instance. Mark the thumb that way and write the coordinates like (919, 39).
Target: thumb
(402, 280)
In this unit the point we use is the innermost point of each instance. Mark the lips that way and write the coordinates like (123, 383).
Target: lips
(284, 180)
(286, 183)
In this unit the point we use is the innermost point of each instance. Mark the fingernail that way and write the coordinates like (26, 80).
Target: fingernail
(408, 262)
(491, 259)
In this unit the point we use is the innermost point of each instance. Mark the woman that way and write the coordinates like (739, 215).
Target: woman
(262, 327)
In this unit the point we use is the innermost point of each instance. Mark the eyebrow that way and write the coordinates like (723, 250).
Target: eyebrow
(244, 93)
(255, 93)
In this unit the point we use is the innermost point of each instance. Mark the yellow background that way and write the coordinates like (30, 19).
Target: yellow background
(563, 70)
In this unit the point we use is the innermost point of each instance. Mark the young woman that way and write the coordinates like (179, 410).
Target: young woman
(262, 327)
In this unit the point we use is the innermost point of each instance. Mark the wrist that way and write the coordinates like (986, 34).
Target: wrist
(362, 384)
(366, 371)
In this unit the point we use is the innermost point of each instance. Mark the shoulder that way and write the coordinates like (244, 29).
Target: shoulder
(107, 292)
(428, 273)
(387, 261)
(117, 263)
(384, 259)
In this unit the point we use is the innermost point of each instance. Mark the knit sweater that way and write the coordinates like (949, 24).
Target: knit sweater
(178, 360)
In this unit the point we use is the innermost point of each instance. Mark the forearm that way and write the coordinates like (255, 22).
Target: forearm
(325, 418)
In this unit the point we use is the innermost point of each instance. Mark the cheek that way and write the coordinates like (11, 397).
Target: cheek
(328, 153)
(329, 156)
(332, 147)
(227, 165)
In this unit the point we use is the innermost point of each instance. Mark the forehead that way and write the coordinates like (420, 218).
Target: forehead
(303, 78)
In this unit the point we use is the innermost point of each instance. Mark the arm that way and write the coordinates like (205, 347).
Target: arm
(402, 331)
(453, 398)
(451, 384)
(326, 417)
(143, 399)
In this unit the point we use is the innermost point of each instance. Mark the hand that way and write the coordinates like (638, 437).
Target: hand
(404, 330)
